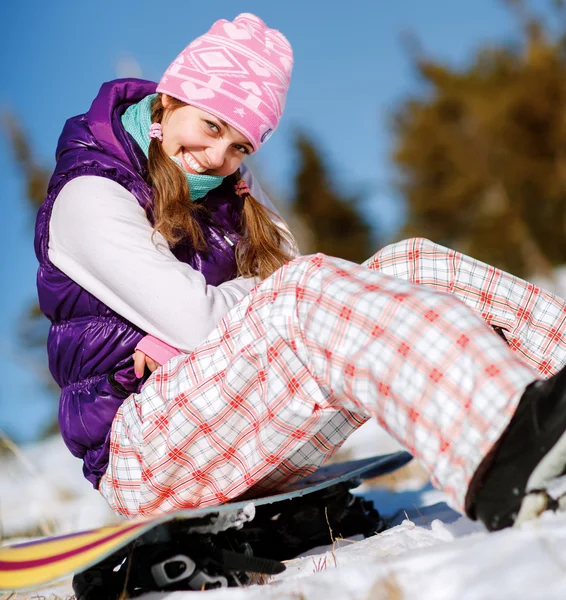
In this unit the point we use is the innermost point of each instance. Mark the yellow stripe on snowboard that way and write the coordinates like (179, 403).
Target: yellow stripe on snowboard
(42, 561)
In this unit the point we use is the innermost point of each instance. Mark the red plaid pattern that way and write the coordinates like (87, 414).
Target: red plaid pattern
(293, 369)
(533, 320)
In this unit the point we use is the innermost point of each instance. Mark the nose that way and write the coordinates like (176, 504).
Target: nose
(216, 155)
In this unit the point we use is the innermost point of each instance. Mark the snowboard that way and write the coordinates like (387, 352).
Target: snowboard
(27, 565)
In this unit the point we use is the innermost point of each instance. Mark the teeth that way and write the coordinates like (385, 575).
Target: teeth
(193, 163)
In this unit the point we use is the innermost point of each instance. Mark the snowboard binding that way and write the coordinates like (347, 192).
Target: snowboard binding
(173, 557)
(169, 559)
(283, 531)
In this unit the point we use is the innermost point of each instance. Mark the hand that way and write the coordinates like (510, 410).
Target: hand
(141, 361)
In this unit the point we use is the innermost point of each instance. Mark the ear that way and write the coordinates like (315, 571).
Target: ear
(165, 100)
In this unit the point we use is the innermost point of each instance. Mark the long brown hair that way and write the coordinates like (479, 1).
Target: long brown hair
(261, 249)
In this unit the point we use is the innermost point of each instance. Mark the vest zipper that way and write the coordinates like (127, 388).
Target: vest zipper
(221, 231)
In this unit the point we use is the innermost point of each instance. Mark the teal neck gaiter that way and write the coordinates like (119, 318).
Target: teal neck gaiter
(137, 121)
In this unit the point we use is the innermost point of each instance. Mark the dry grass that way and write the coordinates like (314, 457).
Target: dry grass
(332, 538)
(392, 481)
(340, 456)
(385, 589)
(259, 579)
(35, 596)
(46, 525)
(319, 565)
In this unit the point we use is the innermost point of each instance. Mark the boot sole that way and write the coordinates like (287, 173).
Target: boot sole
(546, 487)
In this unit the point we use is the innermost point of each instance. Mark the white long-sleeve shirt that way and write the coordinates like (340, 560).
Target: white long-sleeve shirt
(100, 237)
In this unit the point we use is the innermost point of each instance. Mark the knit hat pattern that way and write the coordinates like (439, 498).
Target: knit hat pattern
(238, 71)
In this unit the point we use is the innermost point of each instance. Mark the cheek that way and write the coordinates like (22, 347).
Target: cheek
(171, 138)
(231, 165)
(182, 132)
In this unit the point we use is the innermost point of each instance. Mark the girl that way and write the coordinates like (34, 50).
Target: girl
(152, 225)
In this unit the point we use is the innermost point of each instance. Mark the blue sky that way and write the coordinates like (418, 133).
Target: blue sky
(351, 70)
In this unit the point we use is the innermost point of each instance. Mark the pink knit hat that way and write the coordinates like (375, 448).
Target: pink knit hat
(239, 71)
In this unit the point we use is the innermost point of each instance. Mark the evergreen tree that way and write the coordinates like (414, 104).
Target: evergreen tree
(36, 176)
(33, 327)
(335, 223)
(482, 153)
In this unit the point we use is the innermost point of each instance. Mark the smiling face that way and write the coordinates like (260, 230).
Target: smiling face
(203, 143)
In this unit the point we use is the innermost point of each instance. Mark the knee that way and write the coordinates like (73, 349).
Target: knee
(308, 269)
(410, 247)
(296, 269)
(405, 252)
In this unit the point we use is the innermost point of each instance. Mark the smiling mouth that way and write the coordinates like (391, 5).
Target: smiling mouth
(190, 164)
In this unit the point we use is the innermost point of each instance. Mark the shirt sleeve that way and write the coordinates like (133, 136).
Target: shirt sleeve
(156, 349)
(100, 237)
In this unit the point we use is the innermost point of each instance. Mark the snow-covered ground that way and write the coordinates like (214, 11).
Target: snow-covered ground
(43, 491)
(430, 553)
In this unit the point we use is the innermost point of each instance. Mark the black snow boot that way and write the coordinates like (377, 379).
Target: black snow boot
(525, 473)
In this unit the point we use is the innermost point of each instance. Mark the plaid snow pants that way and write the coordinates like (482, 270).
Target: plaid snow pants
(317, 349)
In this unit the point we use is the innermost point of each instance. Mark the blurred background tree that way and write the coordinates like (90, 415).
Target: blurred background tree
(33, 326)
(335, 223)
(481, 154)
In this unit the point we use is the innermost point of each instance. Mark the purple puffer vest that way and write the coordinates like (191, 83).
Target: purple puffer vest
(89, 345)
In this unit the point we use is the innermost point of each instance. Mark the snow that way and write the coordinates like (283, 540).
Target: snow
(431, 552)
(555, 284)
(42, 489)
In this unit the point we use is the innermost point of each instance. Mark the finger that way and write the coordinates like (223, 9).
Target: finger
(139, 363)
(151, 364)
